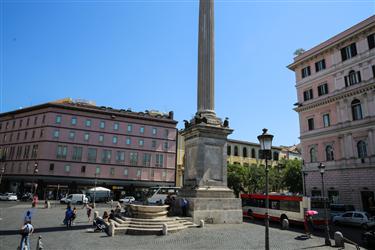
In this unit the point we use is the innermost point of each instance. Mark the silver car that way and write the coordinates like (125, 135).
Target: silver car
(8, 197)
(355, 218)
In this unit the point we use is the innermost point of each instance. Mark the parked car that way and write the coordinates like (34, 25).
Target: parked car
(355, 218)
(8, 197)
(339, 209)
(75, 199)
(368, 238)
(127, 199)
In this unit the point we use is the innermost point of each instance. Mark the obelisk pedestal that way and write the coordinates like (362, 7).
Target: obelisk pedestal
(205, 177)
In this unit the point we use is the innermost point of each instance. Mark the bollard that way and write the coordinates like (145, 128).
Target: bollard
(339, 239)
(39, 244)
(111, 229)
(165, 229)
(201, 223)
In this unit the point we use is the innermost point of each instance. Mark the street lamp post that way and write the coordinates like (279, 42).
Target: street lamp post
(265, 141)
(93, 204)
(35, 172)
(2, 172)
(304, 182)
(327, 238)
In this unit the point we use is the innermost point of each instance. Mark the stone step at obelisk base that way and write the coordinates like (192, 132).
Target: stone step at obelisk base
(137, 226)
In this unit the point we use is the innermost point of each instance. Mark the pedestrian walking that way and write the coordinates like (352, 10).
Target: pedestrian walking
(68, 216)
(308, 225)
(184, 206)
(88, 211)
(27, 217)
(74, 215)
(26, 230)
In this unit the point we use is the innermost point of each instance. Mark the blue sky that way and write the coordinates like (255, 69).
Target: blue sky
(143, 55)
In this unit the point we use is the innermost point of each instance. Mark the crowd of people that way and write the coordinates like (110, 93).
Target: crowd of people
(179, 206)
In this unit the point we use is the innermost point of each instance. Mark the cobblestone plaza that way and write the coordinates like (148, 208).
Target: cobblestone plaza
(47, 223)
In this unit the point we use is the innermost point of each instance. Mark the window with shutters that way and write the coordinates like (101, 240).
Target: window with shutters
(146, 159)
(326, 120)
(323, 89)
(371, 41)
(106, 156)
(352, 78)
(229, 150)
(134, 158)
(320, 65)
(77, 154)
(329, 153)
(159, 160)
(120, 156)
(356, 110)
(361, 149)
(313, 155)
(308, 95)
(61, 152)
(305, 72)
(348, 52)
(91, 154)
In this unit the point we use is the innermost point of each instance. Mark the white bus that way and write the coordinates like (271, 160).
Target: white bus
(157, 195)
(291, 208)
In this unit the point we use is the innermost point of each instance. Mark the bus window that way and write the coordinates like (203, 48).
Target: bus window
(275, 205)
(293, 206)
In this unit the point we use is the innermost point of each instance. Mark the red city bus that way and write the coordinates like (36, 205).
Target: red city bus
(291, 208)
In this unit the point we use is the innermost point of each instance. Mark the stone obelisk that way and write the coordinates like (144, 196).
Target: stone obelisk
(205, 178)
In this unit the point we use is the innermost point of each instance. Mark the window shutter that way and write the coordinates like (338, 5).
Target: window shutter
(371, 41)
(319, 90)
(373, 70)
(353, 48)
(359, 76)
(343, 54)
(324, 63)
(316, 67)
(304, 95)
(346, 81)
(308, 71)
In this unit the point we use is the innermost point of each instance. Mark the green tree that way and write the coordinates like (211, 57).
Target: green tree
(292, 175)
(236, 177)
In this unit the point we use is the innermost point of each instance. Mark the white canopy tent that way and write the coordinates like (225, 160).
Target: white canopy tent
(99, 189)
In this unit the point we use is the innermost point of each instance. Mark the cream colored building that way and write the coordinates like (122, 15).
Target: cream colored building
(247, 153)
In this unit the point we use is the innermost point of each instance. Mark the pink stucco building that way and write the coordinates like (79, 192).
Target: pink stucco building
(74, 143)
(335, 83)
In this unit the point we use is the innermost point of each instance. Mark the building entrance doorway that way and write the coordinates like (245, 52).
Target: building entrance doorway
(368, 201)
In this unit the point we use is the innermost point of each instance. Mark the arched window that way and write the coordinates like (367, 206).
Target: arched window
(312, 155)
(229, 150)
(356, 110)
(253, 154)
(244, 152)
(275, 156)
(362, 150)
(235, 151)
(329, 153)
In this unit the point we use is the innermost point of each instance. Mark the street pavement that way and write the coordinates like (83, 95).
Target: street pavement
(47, 223)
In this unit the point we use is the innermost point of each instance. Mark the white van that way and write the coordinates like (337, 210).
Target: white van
(74, 199)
